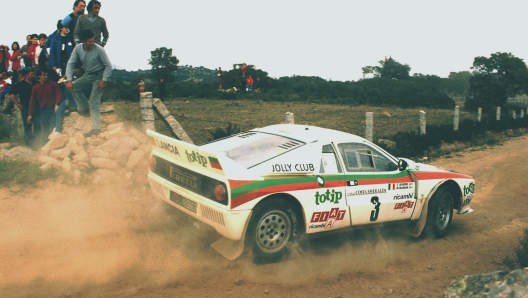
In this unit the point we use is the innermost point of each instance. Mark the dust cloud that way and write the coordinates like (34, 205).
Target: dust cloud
(113, 239)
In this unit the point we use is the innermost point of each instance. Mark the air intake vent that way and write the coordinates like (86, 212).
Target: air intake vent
(212, 215)
(290, 145)
(247, 135)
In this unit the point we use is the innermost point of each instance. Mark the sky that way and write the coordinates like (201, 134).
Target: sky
(331, 39)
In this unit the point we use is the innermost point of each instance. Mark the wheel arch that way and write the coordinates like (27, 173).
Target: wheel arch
(455, 191)
(293, 201)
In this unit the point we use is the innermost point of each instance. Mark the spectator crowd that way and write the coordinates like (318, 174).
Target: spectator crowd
(54, 74)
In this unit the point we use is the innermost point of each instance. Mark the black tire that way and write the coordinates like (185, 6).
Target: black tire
(440, 213)
(271, 230)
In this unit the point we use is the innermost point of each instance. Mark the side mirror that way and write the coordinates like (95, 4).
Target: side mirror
(402, 165)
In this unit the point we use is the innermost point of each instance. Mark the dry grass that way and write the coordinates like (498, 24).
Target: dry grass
(198, 116)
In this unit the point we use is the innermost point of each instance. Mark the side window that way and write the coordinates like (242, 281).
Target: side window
(329, 163)
(359, 157)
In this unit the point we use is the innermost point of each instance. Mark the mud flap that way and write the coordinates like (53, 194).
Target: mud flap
(228, 248)
(231, 249)
(418, 227)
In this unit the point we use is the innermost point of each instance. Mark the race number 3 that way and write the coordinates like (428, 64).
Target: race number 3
(374, 213)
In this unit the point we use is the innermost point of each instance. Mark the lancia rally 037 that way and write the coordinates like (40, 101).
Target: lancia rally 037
(266, 187)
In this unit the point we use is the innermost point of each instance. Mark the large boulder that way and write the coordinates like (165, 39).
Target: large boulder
(495, 284)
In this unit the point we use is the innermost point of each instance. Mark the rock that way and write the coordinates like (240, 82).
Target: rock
(109, 119)
(80, 138)
(5, 146)
(49, 162)
(134, 158)
(109, 146)
(387, 114)
(494, 284)
(138, 135)
(66, 166)
(103, 176)
(58, 142)
(61, 153)
(104, 163)
(107, 109)
(77, 177)
(74, 146)
(117, 132)
(99, 153)
(45, 150)
(115, 125)
(81, 156)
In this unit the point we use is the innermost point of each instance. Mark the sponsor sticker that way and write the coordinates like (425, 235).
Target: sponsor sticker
(403, 206)
(367, 192)
(328, 196)
(326, 219)
(405, 185)
(404, 196)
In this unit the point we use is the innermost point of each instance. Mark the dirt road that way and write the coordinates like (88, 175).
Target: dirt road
(112, 241)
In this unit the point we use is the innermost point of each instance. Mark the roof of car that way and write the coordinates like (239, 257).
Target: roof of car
(308, 134)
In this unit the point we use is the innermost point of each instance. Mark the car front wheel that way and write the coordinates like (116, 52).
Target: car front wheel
(440, 213)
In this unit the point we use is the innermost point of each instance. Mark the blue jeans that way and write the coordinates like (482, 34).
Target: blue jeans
(94, 103)
(47, 123)
(28, 133)
(68, 97)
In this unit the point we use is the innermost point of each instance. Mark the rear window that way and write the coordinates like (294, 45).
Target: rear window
(252, 148)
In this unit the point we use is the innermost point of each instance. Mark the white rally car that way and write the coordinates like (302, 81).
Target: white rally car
(266, 187)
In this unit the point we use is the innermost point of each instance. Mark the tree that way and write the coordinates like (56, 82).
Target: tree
(389, 68)
(163, 64)
(495, 79)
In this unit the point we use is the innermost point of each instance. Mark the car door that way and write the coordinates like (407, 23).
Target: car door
(376, 191)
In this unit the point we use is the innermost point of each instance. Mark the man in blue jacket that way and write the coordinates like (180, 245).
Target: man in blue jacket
(61, 47)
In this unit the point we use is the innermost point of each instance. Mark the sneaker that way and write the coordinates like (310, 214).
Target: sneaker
(54, 134)
(92, 132)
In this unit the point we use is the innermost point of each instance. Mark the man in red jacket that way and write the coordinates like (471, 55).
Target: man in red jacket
(48, 96)
(249, 83)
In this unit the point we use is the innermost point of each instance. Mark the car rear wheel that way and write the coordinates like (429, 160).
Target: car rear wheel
(440, 213)
(271, 230)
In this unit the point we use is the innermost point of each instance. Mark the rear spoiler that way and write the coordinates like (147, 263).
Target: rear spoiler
(186, 153)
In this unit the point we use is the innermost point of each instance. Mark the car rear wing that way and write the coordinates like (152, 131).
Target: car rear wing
(192, 156)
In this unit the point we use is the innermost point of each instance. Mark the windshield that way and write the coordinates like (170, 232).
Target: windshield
(252, 148)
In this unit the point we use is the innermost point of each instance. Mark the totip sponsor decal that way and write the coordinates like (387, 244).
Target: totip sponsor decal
(326, 219)
(196, 157)
(328, 196)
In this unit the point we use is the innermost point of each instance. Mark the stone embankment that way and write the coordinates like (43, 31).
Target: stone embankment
(119, 152)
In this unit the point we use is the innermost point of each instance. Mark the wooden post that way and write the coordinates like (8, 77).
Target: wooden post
(369, 126)
(289, 118)
(147, 115)
(423, 123)
(175, 125)
(498, 113)
(457, 118)
(479, 115)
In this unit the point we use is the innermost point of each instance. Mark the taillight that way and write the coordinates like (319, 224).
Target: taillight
(152, 164)
(219, 192)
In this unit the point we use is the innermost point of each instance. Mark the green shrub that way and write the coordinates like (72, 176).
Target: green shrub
(4, 133)
(22, 173)
(520, 257)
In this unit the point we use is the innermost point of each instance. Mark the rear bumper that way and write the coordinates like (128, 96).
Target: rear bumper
(227, 223)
